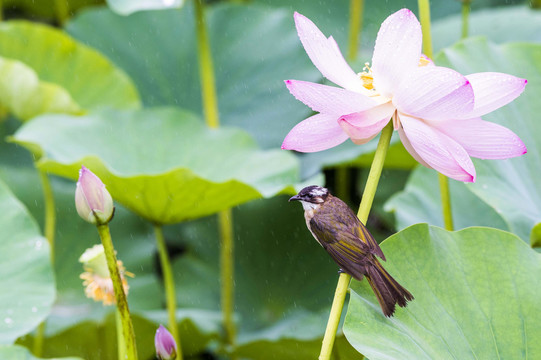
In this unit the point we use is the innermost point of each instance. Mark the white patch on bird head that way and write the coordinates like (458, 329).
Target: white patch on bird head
(307, 206)
(319, 191)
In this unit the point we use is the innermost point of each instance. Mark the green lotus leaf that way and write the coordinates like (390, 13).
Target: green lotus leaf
(16, 352)
(23, 94)
(420, 201)
(476, 294)
(508, 187)
(126, 7)
(500, 25)
(27, 283)
(90, 78)
(163, 164)
(254, 50)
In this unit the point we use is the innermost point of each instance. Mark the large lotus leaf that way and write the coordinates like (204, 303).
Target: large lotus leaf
(23, 94)
(90, 78)
(510, 188)
(163, 164)
(126, 7)
(476, 294)
(500, 25)
(420, 201)
(254, 50)
(78, 321)
(27, 283)
(16, 352)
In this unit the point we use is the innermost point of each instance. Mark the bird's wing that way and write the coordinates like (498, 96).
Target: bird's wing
(338, 220)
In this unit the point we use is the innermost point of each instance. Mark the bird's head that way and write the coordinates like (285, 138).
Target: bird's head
(311, 197)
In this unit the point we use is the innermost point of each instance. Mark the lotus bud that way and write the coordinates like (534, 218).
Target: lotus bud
(93, 202)
(166, 348)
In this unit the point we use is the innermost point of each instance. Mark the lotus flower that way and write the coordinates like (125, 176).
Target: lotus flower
(436, 110)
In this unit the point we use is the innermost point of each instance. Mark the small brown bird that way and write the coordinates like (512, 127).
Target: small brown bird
(352, 247)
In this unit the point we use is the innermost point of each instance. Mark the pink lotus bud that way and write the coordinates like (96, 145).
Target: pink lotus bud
(166, 348)
(93, 202)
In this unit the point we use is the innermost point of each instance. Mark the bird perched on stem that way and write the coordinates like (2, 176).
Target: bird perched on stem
(352, 247)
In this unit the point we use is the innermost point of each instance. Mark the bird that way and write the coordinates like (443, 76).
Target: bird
(340, 232)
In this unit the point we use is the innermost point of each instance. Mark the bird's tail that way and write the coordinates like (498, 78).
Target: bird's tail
(388, 291)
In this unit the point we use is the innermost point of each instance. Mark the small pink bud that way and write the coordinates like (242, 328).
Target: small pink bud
(166, 348)
(93, 202)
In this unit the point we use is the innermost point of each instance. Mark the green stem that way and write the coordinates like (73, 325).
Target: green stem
(169, 284)
(424, 15)
(210, 106)
(120, 296)
(206, 69)
(355, 25)
(61, 11)
(535, 4)
(424, 10)
(227, 274)
(50, 211)
(37, 348)
(342, 183)
(465, 17)
(48, 231)
(364, 209)
(121, 344)
(446, 202)
(1, 10)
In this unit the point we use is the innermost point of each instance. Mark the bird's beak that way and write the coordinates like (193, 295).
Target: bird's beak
(293, 198)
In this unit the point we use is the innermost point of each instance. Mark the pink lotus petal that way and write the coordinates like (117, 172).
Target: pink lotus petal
(326, 55)
(397, 51)
(407, 145)
(494, 90)
(329, 99)
(483, 139)
(318, 132)
(434, 93)
(438, 150)
(364, 126)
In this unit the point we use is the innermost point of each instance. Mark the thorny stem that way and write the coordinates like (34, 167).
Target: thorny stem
(169, 284)
(364, 210)
(48, 231)
(120, 296)
(424, 13)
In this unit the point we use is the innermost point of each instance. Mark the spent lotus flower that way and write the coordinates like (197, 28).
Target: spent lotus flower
(92, 200)
(97, 279)
(166, 347)
(436, 110)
